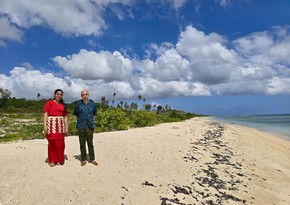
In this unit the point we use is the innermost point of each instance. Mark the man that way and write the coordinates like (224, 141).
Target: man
(85, 111)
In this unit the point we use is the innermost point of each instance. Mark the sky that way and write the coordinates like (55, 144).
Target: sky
(214, 57)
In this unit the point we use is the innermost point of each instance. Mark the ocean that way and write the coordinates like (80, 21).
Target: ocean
(276, 124)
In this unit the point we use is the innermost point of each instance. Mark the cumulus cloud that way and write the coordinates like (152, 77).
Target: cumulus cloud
(89, 65)
(168, 66)
(201, 64)
(67, 17)
(198, 46)
(268, 47)
(9, 32)
(24, 83)
(198, 64)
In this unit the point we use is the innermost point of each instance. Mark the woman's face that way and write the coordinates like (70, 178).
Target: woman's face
(58, 95)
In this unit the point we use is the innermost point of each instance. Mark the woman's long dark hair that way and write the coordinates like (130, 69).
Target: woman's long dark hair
(61, 101)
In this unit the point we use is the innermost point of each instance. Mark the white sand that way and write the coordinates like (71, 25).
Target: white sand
(173, 163)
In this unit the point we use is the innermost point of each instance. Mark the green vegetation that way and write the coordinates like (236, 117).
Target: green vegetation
(111, 120)
(142, 118)
(22, 119)
(24, 132)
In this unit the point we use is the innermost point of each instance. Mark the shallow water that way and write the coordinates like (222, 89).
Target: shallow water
(277, 124)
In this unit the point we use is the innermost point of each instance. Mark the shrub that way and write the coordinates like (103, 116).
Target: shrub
(142, 118)
(181, 115)
(111, 120)
(166, 119)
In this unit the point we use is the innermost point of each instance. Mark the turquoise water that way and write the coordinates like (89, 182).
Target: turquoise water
(277, 124)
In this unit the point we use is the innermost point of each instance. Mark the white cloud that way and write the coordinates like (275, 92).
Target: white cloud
(90, 65)
(198, 46)
(269, 47)
(67, 17)
(263, 64)
(27, 84)
(210, 60)
(9, 32)
(249, 67)
(158, 89)
(279, 85)
(199, 64)
(169, 65)
(24, 83)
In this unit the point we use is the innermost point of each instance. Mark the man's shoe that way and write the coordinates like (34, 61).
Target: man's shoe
(95, 163)
(83, 163)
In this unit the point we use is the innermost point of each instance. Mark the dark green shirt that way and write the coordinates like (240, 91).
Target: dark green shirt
(85, 114)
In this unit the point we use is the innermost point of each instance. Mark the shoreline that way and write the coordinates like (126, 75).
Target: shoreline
(271, 132)
(283, 132)
(192, 162)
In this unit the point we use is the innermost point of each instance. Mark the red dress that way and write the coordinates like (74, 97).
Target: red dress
(55, 131)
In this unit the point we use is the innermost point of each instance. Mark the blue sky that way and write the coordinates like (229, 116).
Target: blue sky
(217, 57)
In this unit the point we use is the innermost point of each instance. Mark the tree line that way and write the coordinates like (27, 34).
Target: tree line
(13, 104)
(110, 117)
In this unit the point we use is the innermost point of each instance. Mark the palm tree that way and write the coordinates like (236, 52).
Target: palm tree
(139, 97)
(4, 95)
(104, 102)
(144, 100)
(113, 101)
(159, 109)
(148, 107)
(167, 107)
(134, 106)
(121, 104)
(126, 106)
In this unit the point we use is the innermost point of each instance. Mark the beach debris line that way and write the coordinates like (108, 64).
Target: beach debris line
(217, 179)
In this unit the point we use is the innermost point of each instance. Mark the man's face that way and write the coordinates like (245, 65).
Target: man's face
(85, 95)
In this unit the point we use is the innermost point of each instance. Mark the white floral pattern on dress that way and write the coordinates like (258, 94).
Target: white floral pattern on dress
(55, 122)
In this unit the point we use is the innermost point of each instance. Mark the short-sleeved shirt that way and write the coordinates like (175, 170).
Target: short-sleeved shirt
(85, 114)
(54, 109)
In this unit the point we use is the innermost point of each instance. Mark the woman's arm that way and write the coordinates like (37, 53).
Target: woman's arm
(44, 123)
(66, 125)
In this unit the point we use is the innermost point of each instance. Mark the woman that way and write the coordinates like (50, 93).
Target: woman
(55, 128)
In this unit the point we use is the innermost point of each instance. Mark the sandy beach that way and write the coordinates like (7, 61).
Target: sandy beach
(192, 162)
